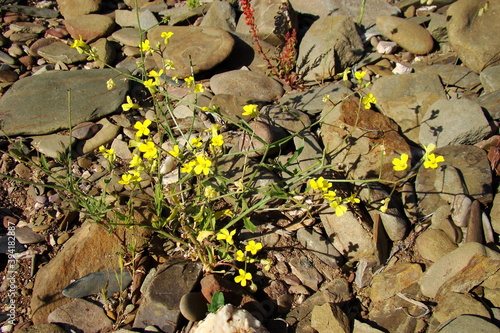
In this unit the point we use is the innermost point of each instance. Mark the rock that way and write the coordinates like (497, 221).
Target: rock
(257, 141)
(42, 328)
(469, 323)
(441, 220)
(162, 294)
(246, 54)
(454, 75)
(193, 306)
(127, 36)
(31, 11)
(107, 132)
(452, 122)
(355, 139)
(328, 318)
(70, 8)
(349, 235)
(58, 51)
(490, 78)
(90, 249)
(252, 85)
(94, 320)
(273, 18)
(5, 58)
(490, 103)
(460, 270)
(42, 42)
(453, 305)
(59, 32)
(474, 169)
(204, 47)
(305, 271)
(475, 225)
(407, 98)
(394, 280)
(290, 119)
(409, 35)
(449, 183)
(136, 3)
(228, 319)
(360, 327)
(432, 244)
(25, 105)
(233, 293)
(28, 236)
(221, 15)
(460, 210)
(495, 214)
(231, 106)
(310, 101)
(8, 75)
(89, 26)
(122, 149)
(472, 36)
(53, 145)
(319, 246)
(84, 130)
(328, 54)
(109, 281)
(22, 37)
(105, 52)
(437, 27)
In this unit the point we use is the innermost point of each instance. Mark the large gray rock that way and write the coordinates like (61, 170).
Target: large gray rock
(453, 122)
(474, 37)
(221, 15)
(247, 84)
(454, 75)
(406, 99)
(470, 323)
(39, 104)
(490, 78)
(60, 52)
(409, 35)
(94, 320)
(202, 47)
(328, 54)
(162, 292)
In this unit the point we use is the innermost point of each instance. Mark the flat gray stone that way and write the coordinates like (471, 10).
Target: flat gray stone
(490, 78)
(94, 320)
(469, 323)
(39, 104)
(454, 75)
(108, 281)
(52, 145)
(453, 122)
(248, 84)
(221, 15)
(127, 36)
(319, 246)
(61, 52)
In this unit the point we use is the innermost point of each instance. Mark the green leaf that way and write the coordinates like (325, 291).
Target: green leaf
(217, 302)
(248, 224)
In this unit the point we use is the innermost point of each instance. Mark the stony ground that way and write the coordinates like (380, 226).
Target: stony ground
(428, 262)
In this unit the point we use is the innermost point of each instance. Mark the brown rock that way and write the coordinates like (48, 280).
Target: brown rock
(475, 226)
(393, 280)
(432, 244)
(7, 75)
(89, 26)
(70, 8)
(329, 318)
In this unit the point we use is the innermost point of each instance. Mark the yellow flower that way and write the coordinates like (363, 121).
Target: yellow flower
(150, 84)
(167, 36)
(142, 128)
(135, 162)
(224, 212)
(210, 193)
(385, 205)
(320, 184)
(217, 140)
(146, 47)
(175, 152)
(149, 149)
(110, 84)
(175, 78)
(224, 234)
(250, 110)
(429, 149)
(198, 88)
(267, 264)
(243, 277)
(156, 75)
(339, 208)
(169, 64)
(240, 256)
(352, 199)
(129, 178)
(330, 195)
(368, 100)
(400, 164)
(253, 247)
(203, 165)
(188, 167)
(80, 45)
(195, 142)
(129, 105)
(189, 81)
(432, 161)
(359, 75)
(239, 185)
(325, 98)
(345, 74)
(214, 129)
(108, 154)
